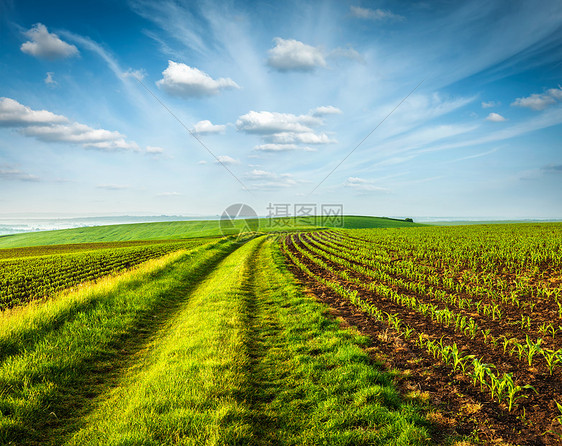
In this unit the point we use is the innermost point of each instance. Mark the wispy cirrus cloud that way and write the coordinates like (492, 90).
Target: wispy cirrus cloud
(266, 180)
(363, 185)
(13, 174)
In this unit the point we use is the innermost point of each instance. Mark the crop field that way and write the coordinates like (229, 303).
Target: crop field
(31, 273)
(396, 335)
(474, 314)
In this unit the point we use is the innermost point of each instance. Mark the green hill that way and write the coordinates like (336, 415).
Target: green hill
(181, 230)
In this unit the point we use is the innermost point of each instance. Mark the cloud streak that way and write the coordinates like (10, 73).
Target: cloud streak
(50, 127)
(11, 174)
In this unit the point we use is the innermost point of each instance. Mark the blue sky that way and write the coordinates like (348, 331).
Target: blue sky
(279, 93)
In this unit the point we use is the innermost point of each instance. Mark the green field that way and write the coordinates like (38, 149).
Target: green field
(368, 334)
(177, 230)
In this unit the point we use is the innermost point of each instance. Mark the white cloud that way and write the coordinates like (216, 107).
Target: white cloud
(495, 117)
(292, 55)
(374, 14)
(49, 127)
(540, 101)
(46, 45)
(49, 79)
(206, 126)
(74, 132)
(282, 132)
(302, 138)
(14, 114)
(265, 122)
(534, 102)
(325, 110)
(182, 80)
(227, 160)
(490, 104)
(9, 173)
(363, 185)
(202, 162)
(154, 150)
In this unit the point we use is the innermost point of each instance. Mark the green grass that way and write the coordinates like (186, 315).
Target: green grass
(216, 346)
(179, 230)
(252, 361)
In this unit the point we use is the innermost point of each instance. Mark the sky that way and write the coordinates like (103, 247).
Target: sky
(405, 109)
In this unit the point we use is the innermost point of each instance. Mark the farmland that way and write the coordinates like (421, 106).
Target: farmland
(389, 334)
(483, 303)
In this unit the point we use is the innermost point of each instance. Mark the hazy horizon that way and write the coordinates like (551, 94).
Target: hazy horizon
(9, 226)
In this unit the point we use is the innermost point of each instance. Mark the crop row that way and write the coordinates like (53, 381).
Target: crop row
(540, 315)
(502, 388)
(27, 278)
(466, 325)
(509, 287)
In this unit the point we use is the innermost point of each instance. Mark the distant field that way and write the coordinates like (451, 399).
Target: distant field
(179, 230)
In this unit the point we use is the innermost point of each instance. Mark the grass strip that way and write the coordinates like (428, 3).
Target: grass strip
(188, 388)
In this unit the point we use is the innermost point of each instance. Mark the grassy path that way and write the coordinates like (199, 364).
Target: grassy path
(251, 361)
(220, 347)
